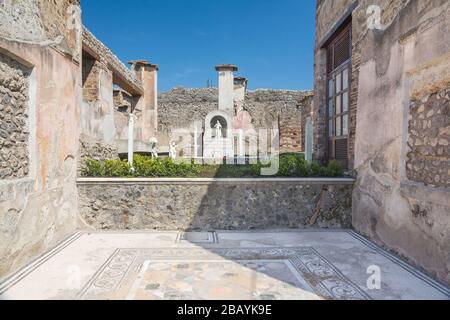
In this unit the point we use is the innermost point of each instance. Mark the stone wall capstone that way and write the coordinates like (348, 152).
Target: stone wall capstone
(14, 131)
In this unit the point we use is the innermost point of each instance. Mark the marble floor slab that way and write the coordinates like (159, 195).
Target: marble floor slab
(259, 265)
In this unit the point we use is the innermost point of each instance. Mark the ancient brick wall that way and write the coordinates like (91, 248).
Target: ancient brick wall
(14, 130)
(429, 139)
(290, 134)
(91, 79)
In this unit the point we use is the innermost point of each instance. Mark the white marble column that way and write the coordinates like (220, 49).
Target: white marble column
(131, 120)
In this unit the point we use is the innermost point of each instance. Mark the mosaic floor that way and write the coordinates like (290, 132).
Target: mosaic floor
(294, 265)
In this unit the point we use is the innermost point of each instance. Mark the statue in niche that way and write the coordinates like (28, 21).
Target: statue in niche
(218, 128)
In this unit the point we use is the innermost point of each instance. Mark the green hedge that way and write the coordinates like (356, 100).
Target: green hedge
(290, 165)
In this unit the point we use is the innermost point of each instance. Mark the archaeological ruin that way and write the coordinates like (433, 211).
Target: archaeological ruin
(383, 82)
(380, 108)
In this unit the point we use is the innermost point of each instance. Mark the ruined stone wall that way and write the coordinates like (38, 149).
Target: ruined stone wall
(401, 160)
(429, 139)
(109, 59)
(14, 129)
(91, 79)
(98, 128)
(287, 109)
(181, 107)
(38, 206)
(214, 205)
(97, 151)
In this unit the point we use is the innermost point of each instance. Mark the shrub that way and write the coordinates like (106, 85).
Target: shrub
(291, 165)
(107, 168)
(148, 167)
(334, 169)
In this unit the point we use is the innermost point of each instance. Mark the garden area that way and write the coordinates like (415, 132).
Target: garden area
(290, 165)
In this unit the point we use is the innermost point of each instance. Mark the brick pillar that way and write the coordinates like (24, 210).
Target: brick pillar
(147, 73)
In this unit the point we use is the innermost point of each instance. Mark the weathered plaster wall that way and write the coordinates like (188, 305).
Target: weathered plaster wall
(147, 107)
(98, 129)
(39, 209)
(42, 21)
(107, 117)
(214, 205)
(402, 70)
(124, 104)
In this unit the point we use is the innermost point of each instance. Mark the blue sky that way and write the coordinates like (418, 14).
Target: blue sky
(271, 41)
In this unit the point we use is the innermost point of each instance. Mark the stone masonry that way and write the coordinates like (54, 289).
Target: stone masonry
(240, 205)
(429, 139)
(180, 108)
(14, 131)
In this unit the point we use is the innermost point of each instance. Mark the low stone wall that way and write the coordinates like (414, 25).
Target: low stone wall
(215, 204)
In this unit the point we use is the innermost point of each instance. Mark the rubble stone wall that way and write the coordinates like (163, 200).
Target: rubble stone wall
(149, 204)
(14, 126)
(429, 140)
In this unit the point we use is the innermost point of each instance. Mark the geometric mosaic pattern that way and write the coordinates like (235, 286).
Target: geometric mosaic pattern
(218, 273)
